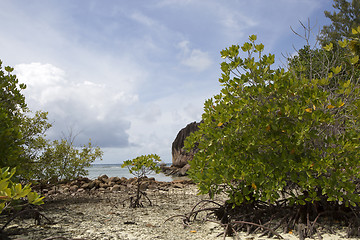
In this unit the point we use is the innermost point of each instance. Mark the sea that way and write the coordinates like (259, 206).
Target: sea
(115, 170)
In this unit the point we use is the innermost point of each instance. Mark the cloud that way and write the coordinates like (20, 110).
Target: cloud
(95, 110)
(194, 58)
(143, 19)
(128, 75)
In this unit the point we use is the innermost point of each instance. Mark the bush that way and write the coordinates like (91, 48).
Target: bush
(273, 134)
(61, 160)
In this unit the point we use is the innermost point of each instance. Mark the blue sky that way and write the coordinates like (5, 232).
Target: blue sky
(130, 74)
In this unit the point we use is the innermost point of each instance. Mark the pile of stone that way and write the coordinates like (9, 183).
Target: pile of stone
(108, 184)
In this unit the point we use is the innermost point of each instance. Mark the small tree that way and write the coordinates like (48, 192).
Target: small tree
(62, 160)
(274, 134)
(140, 167)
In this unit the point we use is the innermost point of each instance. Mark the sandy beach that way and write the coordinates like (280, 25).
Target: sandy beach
(106, 215)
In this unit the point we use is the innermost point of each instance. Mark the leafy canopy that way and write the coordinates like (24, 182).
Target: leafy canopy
(345, 18)
(143, 165)
(276, 133)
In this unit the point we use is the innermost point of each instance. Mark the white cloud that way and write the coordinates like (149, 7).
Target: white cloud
(194, 58)
(96, 110)
(143, 19)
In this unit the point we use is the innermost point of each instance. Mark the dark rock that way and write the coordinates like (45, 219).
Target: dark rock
(123, 179)
(92, 185)
(74, 188)
(144, 186)
(85, 185)
(184, 169)
(114, 179)
(180, 157)
(116, 188)
(175, 171)
(103, 185)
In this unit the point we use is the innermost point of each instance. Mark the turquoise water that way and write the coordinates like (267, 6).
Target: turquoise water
(115, 170)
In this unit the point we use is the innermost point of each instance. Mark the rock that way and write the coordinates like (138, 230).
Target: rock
(51, 192)
(123, 179)
(179, 156)
(114, 179)
(144, 186)
(103, 185)
(184, 169)
(104, 178)
(97, 183)
(116, 188)
(175, 171)
(92, 185)
(73, 188)
(85, 185)
(153, 186)
(178, 185)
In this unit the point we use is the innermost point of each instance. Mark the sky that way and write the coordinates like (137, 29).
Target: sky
(129, 75)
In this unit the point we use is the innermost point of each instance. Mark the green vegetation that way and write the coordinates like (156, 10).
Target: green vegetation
(281, 134)
(13, 193)
(62, 160)
(345, 18)
(23, 144)
(140, 167)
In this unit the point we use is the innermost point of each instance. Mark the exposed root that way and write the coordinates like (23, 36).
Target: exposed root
(135, 201)
(34, 213)
(267, 219)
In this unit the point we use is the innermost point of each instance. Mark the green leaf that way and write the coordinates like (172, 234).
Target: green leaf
(343, 43)
(328, 47)
(336, 70)
(354, 59)
(253, 38)
(246, 47)
(4, 184)
(9, 69)
(259, 47)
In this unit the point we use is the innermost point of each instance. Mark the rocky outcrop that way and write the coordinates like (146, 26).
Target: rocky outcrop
(180, 157)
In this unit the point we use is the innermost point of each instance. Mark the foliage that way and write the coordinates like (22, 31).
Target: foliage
(140, 167)
(21, 136)
(11, 193)
(22, 139)
(12, 105)
(62, 160)
(274, 134)
(143, 165)
(346, 18)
